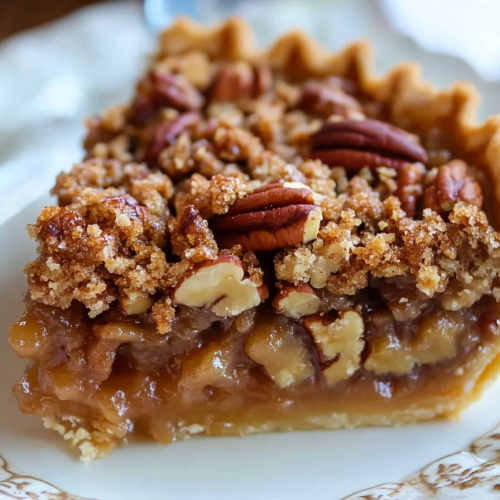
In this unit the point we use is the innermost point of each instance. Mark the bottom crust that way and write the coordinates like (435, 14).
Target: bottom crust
(93, 444)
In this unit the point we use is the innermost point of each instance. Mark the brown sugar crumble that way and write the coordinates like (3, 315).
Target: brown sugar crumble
(204, 140)
(239, 235)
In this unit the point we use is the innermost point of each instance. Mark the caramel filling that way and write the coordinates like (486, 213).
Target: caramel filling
(259, 371)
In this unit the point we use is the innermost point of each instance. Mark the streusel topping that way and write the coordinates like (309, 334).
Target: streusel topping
(359, 202)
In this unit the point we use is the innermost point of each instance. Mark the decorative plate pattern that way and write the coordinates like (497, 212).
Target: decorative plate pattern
(16, 486)
(473, 474)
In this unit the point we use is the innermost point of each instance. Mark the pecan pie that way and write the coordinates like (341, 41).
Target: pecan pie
(262, 241)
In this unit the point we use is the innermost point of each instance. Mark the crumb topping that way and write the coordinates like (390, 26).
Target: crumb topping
(102, 246)
(162, 174)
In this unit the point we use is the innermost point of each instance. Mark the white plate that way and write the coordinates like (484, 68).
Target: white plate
(321, 465)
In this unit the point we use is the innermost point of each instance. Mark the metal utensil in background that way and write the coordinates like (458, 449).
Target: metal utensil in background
(269, 18)
(159, 13)
(50, 79)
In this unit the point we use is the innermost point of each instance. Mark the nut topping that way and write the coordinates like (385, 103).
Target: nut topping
(328, 260)
(240, 81)
(274, 196)
(190, 236)
(355, 144)
(158, 90)
(327, 99)
(296, 301)
(164, 133)
(339, 344)
(135, 303)
(409, 188)
(271, 217)
(221, 286)
(453, 183)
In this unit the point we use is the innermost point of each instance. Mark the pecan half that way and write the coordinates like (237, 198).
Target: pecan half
(454, 182)
(410, 188)
(275, 216)
(327, 98)
(355, 144)
(240, 81)
(162, 134)
(157, 90)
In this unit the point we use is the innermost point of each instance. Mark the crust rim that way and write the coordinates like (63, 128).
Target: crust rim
(411, 102)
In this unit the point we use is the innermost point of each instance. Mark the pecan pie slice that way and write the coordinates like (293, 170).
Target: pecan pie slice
(265, 241)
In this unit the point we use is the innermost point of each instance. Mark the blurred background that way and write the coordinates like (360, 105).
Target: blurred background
(61, 60)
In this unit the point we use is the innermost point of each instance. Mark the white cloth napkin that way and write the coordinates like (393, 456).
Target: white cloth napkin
(50, 79)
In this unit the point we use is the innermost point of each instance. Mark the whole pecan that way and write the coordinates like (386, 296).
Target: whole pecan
(163, 133)
(157, 90)
(354, 144)
(410, 188)
(275, 216)
(240, 81)
(327, 98)
(454, 182)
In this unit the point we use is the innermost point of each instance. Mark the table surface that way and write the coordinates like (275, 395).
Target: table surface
(19, 15)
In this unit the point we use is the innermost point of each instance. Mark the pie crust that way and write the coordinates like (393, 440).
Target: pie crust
(193, 281)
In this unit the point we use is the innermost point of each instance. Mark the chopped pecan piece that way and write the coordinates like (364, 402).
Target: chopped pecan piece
(136, 302)
(327, 98)
(284, 355)
(157, 90)
(355, 144)
(275, 216)
(214, 364)
(164, 133)
(240, 81)
(339, 343)
(297, 301)
(328, 260)
(191, 238)
(434, 341)
(409, 188)
(221, 286)
(454, 182)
